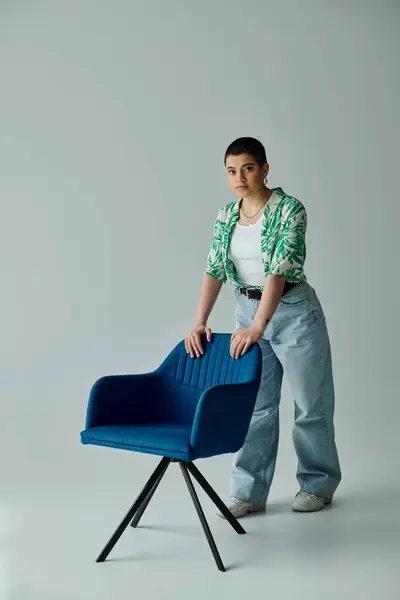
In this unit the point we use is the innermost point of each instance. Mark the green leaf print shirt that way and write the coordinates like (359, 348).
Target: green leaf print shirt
(283, 247)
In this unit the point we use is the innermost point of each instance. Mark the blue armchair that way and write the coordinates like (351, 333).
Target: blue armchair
(185, 410)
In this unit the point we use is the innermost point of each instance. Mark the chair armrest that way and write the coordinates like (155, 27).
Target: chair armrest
(123, 399)
(222, 418)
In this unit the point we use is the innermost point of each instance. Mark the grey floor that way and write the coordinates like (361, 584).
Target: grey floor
(54, 525)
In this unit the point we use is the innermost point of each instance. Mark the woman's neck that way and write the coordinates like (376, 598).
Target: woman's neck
(257, 199)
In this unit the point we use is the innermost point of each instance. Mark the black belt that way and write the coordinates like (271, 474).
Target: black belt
(255, 293)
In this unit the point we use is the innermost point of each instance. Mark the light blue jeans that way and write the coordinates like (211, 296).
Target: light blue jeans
(295, 343)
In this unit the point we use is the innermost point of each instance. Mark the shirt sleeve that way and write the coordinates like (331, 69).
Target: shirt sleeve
(215, 263)
(290, 251)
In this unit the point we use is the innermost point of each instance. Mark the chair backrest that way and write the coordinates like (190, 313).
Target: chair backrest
(215, 367)
(188, 377)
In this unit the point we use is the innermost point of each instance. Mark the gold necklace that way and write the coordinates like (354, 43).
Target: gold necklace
(256, 213)
(248, 217)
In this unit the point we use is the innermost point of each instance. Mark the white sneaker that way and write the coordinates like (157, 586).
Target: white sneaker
(240, 508)
(305, 502)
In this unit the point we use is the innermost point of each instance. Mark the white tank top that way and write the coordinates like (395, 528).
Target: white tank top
(245, 253)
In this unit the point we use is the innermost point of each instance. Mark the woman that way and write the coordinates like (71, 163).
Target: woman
(259, 246)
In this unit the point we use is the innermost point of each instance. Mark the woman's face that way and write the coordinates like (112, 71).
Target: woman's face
(245, 175)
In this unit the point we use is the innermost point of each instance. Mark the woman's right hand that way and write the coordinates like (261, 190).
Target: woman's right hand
(193, 343)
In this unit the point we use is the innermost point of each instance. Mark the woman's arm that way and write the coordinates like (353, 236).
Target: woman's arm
(208, 295)
(288, 259)
(213, 279)
(209, 291)
(243, 339)
(270, 298)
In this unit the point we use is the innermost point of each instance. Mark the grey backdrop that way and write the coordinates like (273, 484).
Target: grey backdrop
(114, 120)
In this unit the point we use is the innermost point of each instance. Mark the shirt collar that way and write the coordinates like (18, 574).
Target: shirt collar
(276, 192)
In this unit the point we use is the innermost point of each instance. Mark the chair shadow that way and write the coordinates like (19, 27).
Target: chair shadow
(177, 529)
(364, 533)
(175, 554)
(168, 556)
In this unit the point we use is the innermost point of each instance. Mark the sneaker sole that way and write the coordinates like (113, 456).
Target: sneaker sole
(241, 515)
(326, 502)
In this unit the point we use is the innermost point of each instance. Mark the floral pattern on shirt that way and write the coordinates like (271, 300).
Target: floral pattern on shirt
(283, 246)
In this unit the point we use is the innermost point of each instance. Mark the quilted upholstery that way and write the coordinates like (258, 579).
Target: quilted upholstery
(186, 409)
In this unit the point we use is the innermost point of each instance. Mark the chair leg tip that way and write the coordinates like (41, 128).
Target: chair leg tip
(222, 569)
(100, 559)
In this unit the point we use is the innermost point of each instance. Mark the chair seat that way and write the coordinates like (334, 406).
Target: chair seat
(164, 439)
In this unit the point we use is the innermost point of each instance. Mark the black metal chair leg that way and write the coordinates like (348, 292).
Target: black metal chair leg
(145, 503)
(214, 497)
(131, 512)
(202, 518)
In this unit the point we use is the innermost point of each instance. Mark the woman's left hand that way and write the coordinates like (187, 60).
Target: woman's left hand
(242, 340)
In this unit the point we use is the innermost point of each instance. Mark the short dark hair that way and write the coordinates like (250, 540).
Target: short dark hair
(247, 145)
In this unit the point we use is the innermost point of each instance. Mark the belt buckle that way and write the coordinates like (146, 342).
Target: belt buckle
(248, 293)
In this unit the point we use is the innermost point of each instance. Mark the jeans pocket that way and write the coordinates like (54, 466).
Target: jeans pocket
(294, 301)
(295, 297)
(317, 310)
(302, 304)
